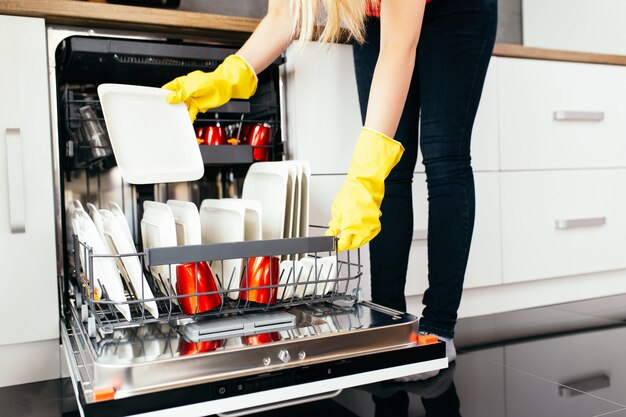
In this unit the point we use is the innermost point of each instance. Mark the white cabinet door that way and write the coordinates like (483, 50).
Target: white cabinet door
(556, 115)
(577, 25)
(484, 267)
(562, 223)
(323, 116)
(28, 284)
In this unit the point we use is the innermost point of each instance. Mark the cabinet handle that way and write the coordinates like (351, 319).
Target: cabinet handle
(581, 386)
(420, 234)
(578, 116)
(15, 179)
(574, 223)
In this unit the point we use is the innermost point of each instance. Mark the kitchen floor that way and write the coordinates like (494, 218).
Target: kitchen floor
(565, 360)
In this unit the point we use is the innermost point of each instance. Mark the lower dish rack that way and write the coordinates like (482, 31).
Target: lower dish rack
(241, 354)
(249, 277)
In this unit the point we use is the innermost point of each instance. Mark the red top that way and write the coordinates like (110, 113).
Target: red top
(373, 8)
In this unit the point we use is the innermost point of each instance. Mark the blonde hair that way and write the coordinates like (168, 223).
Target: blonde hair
(350, 13)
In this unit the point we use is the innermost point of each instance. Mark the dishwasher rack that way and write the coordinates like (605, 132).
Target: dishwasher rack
(338, 283)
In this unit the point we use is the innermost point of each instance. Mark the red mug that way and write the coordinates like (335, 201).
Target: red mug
(193, 278)
(244, 133)
(200, 134)
(260, 136)
(214, 135)
(261, 271)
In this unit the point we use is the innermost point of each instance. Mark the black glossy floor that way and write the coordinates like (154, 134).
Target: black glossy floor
(566, 360)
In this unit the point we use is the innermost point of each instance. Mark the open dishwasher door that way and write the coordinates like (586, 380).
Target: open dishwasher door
(245, 355)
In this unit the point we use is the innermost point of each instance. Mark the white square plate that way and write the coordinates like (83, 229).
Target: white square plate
(153, 141)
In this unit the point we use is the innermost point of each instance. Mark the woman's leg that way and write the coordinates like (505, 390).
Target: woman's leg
(454, 50)
(389, 250)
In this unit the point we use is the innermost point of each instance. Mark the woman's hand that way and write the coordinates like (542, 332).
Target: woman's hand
(356, 208)
(236, 76)
(201, 91)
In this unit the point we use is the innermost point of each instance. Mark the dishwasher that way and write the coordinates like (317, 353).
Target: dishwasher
(244, 356)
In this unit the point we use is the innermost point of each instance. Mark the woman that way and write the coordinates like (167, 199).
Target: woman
(441, 78)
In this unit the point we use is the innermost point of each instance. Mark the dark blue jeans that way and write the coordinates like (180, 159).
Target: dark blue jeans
(454, 49)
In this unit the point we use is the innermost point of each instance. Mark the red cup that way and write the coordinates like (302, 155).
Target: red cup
(244, 134)
(200, 132)
(261, 339)
(260, 135)
(214, 135)
(191, 348)
(262, 271)
(193, 278)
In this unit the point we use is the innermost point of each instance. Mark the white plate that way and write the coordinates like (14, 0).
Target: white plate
(122, 220)
(289, 278)
(305, 278)
(105, 272)
(304, 197)
(187, 221)
(266, 182)
(297, 199)
(223, 221)
(153, 141)
(122, 246)
(326, 274)
(290, 201)
(78, 205)
(158, 230)
(99, 222)
(253, 217)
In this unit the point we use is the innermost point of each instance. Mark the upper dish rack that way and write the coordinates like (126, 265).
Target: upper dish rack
(81, 113)
(296, 271)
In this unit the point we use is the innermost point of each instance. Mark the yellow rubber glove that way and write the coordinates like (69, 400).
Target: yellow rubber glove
(201, 91)
(356, 208)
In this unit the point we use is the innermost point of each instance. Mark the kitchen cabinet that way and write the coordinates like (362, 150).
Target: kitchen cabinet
(567, 222)
(558, 115)
(28, 287)
(579, 25)
(323, 116)
(549, 155)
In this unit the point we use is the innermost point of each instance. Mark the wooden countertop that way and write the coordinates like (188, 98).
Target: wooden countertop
(113, 16)
(519, 51)
(218, 28)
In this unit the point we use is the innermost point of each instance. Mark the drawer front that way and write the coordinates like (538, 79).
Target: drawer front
(484, 266)
(561, 115)
(485, 154)
(562, 223)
